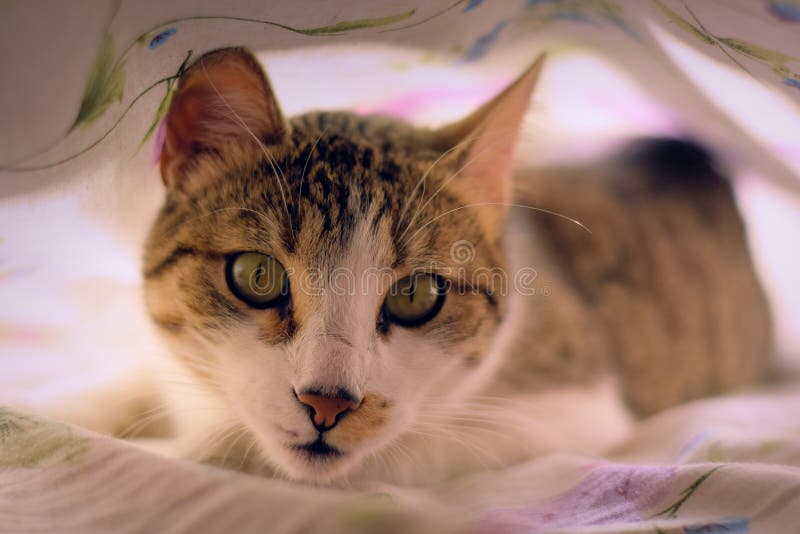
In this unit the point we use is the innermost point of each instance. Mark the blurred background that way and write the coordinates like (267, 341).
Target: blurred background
(84, 85)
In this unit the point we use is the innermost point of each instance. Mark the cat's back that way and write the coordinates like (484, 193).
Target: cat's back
(661, 288)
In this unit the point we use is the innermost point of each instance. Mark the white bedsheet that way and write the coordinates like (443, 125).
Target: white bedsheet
(719, 465)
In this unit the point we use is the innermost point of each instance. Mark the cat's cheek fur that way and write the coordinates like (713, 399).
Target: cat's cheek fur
(254, 386)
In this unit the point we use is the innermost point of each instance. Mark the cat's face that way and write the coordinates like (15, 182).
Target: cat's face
(327, 284)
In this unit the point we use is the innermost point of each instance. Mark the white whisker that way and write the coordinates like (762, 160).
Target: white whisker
(508, 204)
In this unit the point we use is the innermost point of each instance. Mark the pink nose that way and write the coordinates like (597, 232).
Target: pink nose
(326, 411)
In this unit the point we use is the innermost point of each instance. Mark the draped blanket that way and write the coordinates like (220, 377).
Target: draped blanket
(85, 86)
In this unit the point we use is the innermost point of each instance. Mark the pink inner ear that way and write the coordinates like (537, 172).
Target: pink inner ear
(182, 128)
(489, 160)
(223, 97)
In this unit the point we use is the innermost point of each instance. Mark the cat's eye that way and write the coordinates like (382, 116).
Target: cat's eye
(415, 299)
(257, 279)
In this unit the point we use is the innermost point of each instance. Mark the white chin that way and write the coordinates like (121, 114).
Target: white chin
(313, 468)
(311, 463)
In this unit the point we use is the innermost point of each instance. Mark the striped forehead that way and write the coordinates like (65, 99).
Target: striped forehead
(327, 185)
(307, 198)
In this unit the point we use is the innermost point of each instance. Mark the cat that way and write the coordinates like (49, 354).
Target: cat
(343, 296)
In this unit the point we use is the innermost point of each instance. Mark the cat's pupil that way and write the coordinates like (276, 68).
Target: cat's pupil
(260, 274)
(257, 279)
(415, 300)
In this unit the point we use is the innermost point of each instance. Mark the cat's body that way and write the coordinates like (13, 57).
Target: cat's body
(661, 289)
(530, 335)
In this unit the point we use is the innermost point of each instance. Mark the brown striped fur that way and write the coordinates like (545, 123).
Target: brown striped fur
(663, 290)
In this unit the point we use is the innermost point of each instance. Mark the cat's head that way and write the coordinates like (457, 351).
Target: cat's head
(331, 279)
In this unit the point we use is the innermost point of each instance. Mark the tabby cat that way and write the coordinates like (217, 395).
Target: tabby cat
(351, 298)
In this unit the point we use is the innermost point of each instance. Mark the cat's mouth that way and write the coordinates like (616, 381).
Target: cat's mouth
(317, 450)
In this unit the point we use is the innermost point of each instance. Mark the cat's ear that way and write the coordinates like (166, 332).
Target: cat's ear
(222, 98)
(482, 144)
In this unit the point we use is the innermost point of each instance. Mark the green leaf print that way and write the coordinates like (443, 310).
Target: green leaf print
(10, 424)
(105, 84)
(671, 512)
(349, 25)
(29, 443)
(163, 106)
(684, 24)
(778, 60)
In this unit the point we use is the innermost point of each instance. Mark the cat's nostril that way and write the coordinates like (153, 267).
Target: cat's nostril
(326, 410)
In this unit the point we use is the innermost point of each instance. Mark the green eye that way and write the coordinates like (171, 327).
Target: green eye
(415, 300)
(257, 279)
